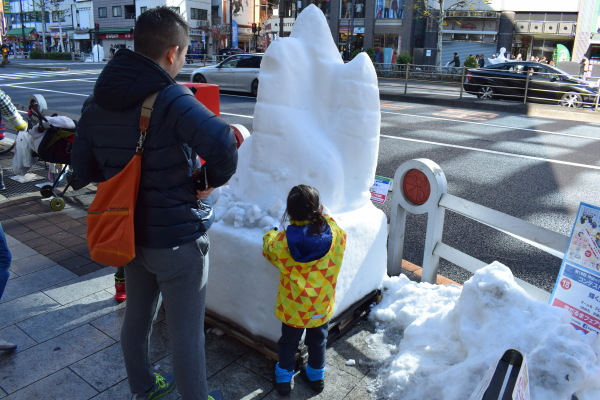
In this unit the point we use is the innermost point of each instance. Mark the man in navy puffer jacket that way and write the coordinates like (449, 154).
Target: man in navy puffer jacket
(171, 240)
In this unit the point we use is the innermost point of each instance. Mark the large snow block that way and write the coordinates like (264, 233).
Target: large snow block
(242, 284)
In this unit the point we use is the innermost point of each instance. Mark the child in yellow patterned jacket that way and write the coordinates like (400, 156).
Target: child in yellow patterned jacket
(308, 255)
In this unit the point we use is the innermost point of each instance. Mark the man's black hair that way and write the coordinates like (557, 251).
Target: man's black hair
(157, 29)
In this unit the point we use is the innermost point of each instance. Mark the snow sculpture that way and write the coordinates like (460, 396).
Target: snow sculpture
(501, 57)
(97, 53)
(316, 122)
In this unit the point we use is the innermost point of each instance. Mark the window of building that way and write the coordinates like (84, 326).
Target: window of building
(58, 14)
(143, 9)
(199, 14)
(129, 12)
(102, 13)
(388, 9)
(325, 6)
(117, 11)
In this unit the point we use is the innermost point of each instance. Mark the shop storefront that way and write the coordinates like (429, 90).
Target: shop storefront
(350, 39)
(82, 42)
(15, 37)
(118, 38)
(271, 28)
(537, 35)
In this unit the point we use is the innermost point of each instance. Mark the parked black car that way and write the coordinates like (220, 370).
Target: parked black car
(544, 84)
(228, 51)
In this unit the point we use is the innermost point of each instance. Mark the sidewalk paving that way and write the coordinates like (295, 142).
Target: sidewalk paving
(58, 307)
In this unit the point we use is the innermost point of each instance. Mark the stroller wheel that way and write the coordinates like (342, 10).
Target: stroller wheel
(57, 203)
(46, 191)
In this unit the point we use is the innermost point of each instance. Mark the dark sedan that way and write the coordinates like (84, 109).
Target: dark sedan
(540, 82)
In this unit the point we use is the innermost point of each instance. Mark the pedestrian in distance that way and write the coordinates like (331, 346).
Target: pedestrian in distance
(170, 230)
(481, 61)
(309, 256)
(456, 60)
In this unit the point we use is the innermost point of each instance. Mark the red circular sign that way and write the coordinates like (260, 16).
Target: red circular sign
(565, 283)
(416, 187)
(588, 253)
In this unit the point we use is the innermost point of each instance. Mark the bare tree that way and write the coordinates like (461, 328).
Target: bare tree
(55, 6)
(436, 10)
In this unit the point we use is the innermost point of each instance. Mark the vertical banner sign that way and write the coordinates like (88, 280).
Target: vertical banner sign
(234, 39)
(577, 286)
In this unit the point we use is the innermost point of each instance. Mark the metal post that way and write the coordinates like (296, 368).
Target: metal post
(462, 79)
(406, 78)
(526, 88)
(351, 38)
(22, 23)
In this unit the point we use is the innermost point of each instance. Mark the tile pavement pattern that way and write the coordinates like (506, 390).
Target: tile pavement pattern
(58, 307)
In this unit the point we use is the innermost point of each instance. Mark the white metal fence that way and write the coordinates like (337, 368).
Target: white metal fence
(420, 187)
(524, 86)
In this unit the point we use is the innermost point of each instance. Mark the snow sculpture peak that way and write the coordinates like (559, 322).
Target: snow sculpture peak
(316, 122)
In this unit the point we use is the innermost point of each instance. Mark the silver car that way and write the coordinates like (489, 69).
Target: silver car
(238, 73)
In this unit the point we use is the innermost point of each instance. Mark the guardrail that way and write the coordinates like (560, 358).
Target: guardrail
(420, 187)
(524, 86)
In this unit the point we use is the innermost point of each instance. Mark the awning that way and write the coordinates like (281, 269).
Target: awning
(19, 31)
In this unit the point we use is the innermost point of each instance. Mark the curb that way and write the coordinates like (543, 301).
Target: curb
(529, 109)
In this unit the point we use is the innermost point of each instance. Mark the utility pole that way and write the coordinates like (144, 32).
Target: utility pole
(230, 23)
(281, 8)
(22, 22)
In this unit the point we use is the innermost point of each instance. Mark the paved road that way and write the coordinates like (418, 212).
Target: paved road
(537, 169)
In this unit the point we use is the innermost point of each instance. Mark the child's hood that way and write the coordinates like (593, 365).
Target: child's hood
(305, 247)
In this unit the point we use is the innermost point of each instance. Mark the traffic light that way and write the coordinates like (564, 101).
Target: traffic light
(97, 27)
(254, 27)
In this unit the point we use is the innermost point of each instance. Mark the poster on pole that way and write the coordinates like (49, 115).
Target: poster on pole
(577, 287)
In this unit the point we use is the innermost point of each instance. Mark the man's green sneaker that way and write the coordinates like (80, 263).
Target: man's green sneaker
(215, 395)
(162, 387)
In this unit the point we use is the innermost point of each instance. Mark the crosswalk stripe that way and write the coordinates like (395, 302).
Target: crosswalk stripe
(28, 75)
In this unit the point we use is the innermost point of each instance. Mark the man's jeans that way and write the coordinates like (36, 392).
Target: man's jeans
(180, 274)
(5, 259)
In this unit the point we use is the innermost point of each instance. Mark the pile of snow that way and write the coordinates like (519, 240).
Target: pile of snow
(445, 338)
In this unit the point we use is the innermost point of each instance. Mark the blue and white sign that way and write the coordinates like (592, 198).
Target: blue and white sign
(234, 36)
(577, 287)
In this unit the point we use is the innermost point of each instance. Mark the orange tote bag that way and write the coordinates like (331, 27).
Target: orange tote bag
(110, 230)
(110, 218)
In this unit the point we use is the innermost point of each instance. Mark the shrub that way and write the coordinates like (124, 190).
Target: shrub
(354, 54)
(471, 62)
(36, 54)
(371, 53)
(403, 58)
(59, 56)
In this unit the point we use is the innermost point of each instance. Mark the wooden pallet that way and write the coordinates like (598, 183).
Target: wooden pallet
(337, 328)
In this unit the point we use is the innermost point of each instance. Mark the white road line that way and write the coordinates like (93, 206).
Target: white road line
(493, 125)
(502, 153)
(51, 81)
(239, 115)
(52, 91)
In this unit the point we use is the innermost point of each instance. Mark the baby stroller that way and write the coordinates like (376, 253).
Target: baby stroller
(52, 141)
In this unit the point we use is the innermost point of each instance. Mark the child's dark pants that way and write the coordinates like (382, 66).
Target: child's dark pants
(315, 341)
